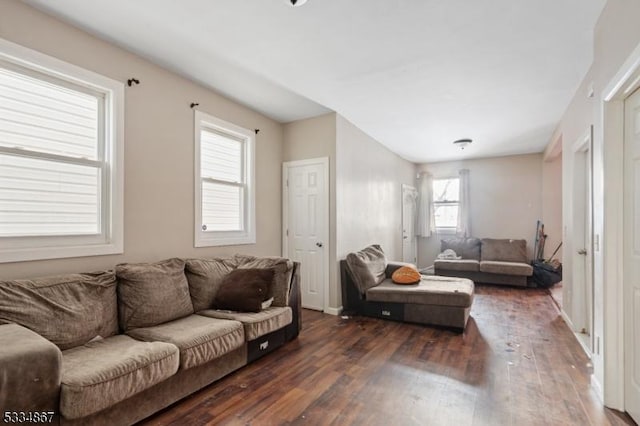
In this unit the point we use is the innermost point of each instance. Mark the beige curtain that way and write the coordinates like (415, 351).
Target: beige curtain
(463, 228)
(426, 218)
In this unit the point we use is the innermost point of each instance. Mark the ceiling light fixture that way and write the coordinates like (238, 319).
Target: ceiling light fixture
(462, 143)
(295, 3)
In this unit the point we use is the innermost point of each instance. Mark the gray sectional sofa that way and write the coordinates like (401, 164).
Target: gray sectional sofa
(113, 347)
(490, 261)
(367, 289)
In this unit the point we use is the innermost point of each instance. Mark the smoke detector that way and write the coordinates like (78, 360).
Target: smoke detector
(295, 3)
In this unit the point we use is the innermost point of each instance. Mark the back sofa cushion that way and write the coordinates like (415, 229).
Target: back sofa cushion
(152, 293)
(283, 271)
(367, 267)
(68, 310)
(204, 277)
(504, 250)
(467, 248)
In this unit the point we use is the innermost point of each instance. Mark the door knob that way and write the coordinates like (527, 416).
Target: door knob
(582, 252)
(319, 244)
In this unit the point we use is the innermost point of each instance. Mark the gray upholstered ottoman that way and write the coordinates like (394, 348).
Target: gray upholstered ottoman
(434, 300)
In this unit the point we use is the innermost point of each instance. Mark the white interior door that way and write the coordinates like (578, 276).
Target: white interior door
(306, 226)
(632, 256)
(409, 242)
(582, 282)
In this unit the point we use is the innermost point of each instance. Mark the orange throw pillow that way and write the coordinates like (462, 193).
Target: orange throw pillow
(406, 275)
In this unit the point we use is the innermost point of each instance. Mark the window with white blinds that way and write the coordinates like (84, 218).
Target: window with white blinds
(58, 171)
(224, 183)
(446, 201)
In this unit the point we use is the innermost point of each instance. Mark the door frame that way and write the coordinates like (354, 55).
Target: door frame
(623, 84)
(413, 189)
(324, 162)
(582, 313)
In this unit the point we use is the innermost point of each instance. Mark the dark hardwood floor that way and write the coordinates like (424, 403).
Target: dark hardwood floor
(517, 363)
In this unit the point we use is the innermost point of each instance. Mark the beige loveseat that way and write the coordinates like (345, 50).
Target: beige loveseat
(113, 347)
(490, 261)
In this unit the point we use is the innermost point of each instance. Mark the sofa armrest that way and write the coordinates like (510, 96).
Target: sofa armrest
(30, 371)
(394, 266)
(294, 301)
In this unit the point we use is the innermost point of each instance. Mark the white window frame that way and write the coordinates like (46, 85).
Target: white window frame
(445, 229)
(110, 239)
(247, 235)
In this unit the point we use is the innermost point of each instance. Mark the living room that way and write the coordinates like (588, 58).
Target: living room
(509, 190)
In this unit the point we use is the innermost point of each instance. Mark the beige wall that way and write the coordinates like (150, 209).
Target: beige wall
(552, 204)
(617, 34)
(369, 192)
(310, 138)
(365, 195)
(505, 200)
(315, 138)
(158, 197)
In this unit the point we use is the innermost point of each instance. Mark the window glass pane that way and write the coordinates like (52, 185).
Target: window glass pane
(41, 116)
(221, 157)
(446, 216)
(446, 189)
(222, 207)
(39, 197)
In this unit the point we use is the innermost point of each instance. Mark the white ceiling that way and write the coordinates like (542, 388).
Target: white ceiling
(413, 74)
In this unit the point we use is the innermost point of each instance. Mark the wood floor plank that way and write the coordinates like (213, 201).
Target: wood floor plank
(517, 363)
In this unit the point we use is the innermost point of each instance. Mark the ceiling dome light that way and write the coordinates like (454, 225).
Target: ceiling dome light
(462, 143)
(295, 3)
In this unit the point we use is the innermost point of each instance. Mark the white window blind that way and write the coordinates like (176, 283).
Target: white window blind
(50, 168)
(224, 178)
(223, 186)
(446, 201)
(60, 158)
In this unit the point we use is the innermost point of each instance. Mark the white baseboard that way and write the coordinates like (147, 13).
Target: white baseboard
(597, 387)
(566, 319)
(333, 311)
(584, 347)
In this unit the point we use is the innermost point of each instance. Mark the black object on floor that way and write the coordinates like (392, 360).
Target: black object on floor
(545, 275)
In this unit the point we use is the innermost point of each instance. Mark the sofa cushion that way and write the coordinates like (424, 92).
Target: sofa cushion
(283, 270)
(457, 265)
(204, 277)
(432, 290)
(152, 293)
(198, 338)
(506, 268)
(504, 250)
(467, 248)
(367, 267)
(68, 310)
(103, 372)
(244, 290)
(256, 324)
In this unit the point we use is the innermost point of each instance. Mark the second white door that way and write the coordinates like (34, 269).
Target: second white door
(409, 249)
(306, 226)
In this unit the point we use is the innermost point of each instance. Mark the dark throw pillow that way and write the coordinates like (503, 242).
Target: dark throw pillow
(244, 290)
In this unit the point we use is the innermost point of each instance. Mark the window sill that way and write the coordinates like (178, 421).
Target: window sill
(46, 253)
(445, 231)
(216, 241)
